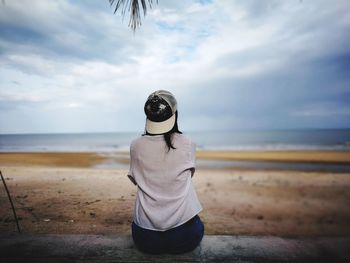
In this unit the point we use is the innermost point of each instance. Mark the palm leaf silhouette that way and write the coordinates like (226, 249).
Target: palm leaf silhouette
(132, 6)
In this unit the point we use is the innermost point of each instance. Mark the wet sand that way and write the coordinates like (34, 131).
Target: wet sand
(62, 193)
(336, 157)
(90, 159)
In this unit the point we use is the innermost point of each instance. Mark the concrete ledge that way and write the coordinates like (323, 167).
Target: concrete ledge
(97, 248)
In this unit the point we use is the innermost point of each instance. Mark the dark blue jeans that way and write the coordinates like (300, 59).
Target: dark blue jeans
(181, 239)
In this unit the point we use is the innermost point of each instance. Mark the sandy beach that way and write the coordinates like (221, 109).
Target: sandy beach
(66, 193)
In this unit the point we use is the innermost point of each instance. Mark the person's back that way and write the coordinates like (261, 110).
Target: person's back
(162, 163)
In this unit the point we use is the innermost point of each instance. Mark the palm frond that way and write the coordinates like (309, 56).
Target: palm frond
(132, 6)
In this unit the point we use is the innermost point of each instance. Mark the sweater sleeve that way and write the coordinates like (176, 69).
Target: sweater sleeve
(192, 158)
(130, 172)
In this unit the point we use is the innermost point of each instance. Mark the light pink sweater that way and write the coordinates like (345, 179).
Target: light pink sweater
(165, 197)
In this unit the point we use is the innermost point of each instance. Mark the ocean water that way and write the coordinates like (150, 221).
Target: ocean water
(112, 144)
(337, 139)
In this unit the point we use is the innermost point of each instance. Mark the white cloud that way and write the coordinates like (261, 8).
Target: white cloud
(329, 110)
(62, 56)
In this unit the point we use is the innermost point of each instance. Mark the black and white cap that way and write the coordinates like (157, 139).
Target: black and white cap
(160, 109)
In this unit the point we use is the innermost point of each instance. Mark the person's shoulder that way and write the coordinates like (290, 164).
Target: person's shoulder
(136, 141)
(184, 139)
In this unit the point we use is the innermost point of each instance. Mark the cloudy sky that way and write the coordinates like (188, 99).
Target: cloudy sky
(74, 66)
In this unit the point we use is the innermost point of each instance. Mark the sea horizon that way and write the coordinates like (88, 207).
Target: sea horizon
(184, 131)
(234, 140)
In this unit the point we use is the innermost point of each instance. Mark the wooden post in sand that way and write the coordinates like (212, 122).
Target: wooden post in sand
(9, 196)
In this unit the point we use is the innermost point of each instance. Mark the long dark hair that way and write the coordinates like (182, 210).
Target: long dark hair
(168, 135)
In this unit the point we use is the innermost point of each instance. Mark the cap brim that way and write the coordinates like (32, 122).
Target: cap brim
(160, 127)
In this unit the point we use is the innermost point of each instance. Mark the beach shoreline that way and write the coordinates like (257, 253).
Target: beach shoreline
(93, 159)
